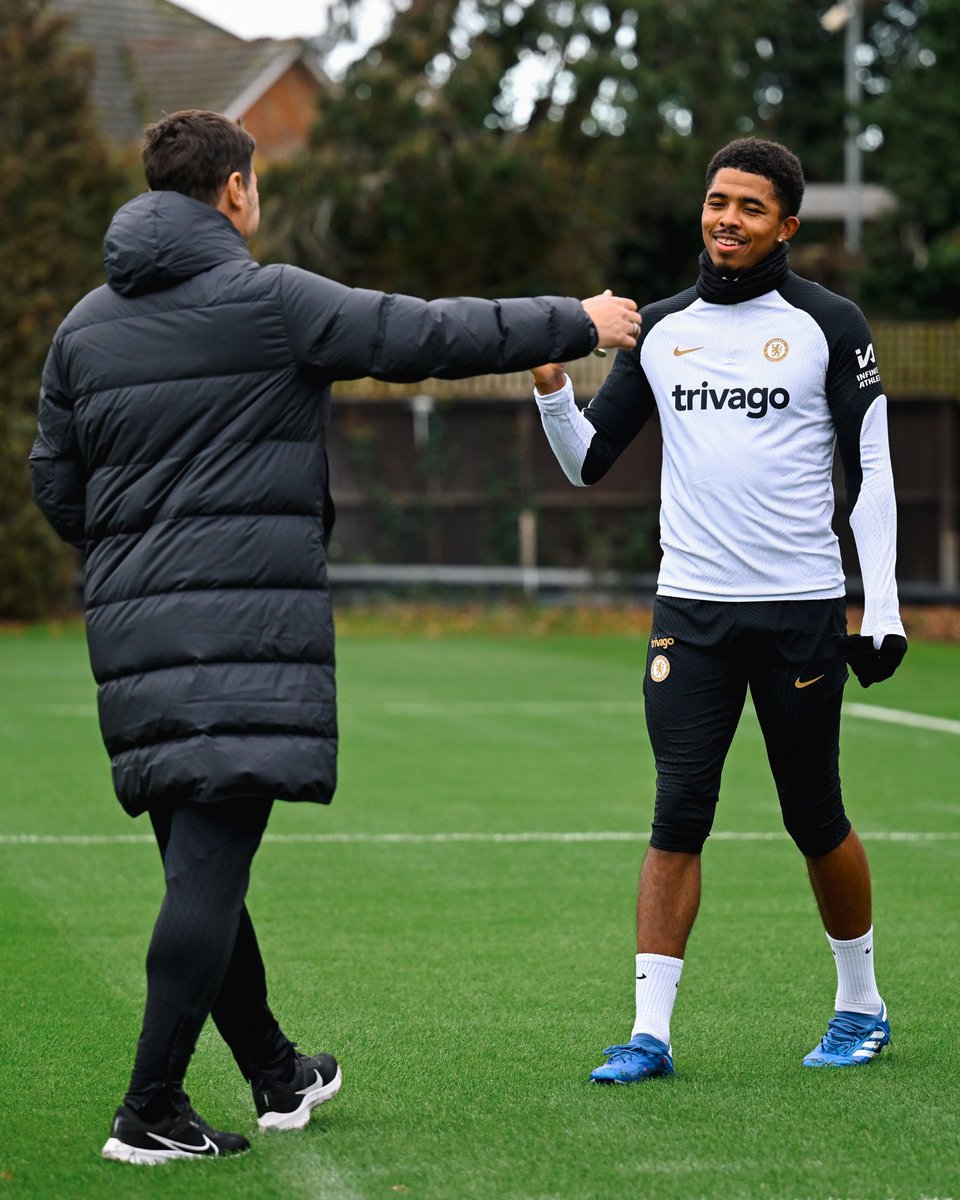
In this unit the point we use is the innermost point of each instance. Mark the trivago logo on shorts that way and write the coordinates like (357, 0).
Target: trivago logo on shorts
(755, 402)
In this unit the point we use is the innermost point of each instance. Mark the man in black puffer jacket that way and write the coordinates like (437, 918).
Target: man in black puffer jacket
(181, 446)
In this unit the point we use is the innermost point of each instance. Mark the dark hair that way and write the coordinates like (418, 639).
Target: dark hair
(769, 159)
(196, 152)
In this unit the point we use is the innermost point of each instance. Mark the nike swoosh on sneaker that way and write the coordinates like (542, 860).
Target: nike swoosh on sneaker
(802, 683)
(678, 353)
(188, 1146)
(313, 1083)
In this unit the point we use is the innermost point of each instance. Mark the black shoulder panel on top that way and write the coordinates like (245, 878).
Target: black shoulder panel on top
(853, 378)
(658, 309)
(834, 314)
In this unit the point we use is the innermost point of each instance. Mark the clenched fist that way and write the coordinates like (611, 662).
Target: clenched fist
(616, 320)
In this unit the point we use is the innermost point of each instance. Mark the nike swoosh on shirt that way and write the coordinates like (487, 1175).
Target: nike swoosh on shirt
(677, 352)
(806, 682)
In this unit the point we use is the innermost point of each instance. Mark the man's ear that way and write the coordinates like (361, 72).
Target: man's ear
(788, 229)
(234, 194)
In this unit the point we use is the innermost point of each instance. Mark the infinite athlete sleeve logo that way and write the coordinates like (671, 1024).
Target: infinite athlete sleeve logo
(869, 374)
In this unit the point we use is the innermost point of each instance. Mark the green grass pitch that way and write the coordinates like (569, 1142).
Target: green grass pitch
(468, 986)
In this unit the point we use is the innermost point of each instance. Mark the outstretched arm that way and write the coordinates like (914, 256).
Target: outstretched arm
(347, 333)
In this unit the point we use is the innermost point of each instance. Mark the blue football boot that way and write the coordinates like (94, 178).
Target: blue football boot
(643, 1057)
(851, 1040)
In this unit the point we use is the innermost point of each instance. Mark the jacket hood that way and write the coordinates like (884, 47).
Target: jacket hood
(159, 239)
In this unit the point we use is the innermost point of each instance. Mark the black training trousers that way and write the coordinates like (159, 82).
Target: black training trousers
(203, 957)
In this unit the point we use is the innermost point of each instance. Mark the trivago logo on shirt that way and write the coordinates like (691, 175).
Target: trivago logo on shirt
(755, 402)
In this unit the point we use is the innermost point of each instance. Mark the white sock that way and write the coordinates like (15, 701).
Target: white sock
(658, 978)
(856, 982)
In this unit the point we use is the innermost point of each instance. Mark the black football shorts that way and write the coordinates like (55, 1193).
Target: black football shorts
(702, 658)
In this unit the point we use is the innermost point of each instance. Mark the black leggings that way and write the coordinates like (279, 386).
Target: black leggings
(703, 657)
(203, 957)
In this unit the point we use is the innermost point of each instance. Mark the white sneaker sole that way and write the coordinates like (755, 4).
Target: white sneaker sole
(297, 1119)
(119, 1151)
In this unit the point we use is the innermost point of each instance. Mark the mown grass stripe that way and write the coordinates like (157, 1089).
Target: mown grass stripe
(558, 708)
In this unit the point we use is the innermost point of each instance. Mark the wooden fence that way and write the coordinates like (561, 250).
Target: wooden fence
(460, 474)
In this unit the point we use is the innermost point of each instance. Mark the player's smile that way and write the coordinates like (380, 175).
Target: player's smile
(741, 219)
(727, 241)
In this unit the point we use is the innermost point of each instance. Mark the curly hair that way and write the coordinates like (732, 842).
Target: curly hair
(196, 152)
(757, 156)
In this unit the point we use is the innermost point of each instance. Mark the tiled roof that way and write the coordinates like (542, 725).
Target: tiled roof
(151, 57)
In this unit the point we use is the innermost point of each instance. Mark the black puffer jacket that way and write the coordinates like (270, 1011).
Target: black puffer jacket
(181, 445)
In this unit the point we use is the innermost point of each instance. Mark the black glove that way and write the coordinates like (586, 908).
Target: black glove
(870, 665)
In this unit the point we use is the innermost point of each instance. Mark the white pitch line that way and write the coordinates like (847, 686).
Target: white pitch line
(428, 839)
(896, 716)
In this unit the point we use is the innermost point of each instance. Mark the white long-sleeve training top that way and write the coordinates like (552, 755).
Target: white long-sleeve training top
(751, 398)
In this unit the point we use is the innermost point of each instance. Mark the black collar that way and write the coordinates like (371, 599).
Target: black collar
(716, 287)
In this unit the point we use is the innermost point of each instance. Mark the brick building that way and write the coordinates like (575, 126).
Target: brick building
(152, 57)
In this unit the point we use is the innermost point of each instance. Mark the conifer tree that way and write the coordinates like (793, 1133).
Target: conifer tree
(58, 188)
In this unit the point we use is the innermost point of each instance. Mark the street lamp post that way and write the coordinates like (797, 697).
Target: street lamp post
(848, 16)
